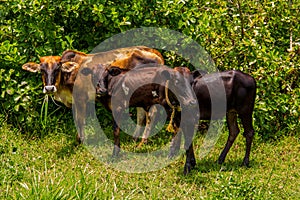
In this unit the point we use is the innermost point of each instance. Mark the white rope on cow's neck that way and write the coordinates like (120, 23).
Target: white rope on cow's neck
(170, 127)
(54, 101)
(125, 89)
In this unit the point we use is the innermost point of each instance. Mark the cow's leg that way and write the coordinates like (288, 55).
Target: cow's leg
(117, 120)
(80, 114)
(146, 132)
(248, 134)
(190, 162)
(151, 118)
(231, 118)
(176, 139)
(141, 113)
(116, 130)
(175, 144)
(188, 132)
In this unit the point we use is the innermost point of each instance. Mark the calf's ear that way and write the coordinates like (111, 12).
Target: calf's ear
(69, 66)
(165, 74)
(68, 55)
(86, 71)
(114, 71)
(31, 67)
(198, 73)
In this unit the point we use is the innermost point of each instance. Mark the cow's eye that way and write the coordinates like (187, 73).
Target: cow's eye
(55, 72)
(139, 58)
(43, 71)
(56, 66)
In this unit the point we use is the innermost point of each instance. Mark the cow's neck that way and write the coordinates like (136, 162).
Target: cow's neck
(65, 88)
(64, 95)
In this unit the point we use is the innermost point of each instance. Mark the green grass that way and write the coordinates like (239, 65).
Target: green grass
(54, 168)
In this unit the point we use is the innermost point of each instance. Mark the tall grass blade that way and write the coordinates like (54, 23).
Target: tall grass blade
(44, 112)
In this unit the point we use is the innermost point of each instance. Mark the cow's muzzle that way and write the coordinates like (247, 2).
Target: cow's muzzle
(49, 89)
(193, 102)
(101, 92)
(190, 103)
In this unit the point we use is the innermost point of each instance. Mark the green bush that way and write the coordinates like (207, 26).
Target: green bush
(252, 36)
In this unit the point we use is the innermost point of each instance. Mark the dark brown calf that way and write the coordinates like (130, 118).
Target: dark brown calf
(145, 87)
(237, 101)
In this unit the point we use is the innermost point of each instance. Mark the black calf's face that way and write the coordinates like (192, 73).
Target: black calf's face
(181, 86)
(99, 78)
(105, 77)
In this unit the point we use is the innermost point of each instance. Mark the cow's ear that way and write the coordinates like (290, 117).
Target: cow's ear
(138, 56)
(165, 74)
(86, 71)
(114, 71)
(69, 66)
(31, 67)
(198, 73)
(67, 55)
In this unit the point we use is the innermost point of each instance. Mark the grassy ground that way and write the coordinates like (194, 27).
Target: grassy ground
(53, 168)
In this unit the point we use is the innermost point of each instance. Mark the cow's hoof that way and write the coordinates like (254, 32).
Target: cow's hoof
(79, 140)
(193, 163)
(246, 163)
(174, 152)
(140, 145)
(187, 168)
(221, 160)
(116, 152)
(172, 155)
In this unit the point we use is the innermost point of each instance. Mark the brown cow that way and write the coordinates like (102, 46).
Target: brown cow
(59, 74)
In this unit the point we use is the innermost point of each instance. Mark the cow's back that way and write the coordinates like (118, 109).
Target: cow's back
(137, 86)
(206, 88)
(239, 90)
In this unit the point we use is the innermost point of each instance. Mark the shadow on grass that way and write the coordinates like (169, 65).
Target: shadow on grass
(210, 165)
(71, 147)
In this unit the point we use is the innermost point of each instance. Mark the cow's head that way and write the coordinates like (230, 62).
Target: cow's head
(100, 76)
(51, 69)
(198, 73)
(180, 85)
(186, 73)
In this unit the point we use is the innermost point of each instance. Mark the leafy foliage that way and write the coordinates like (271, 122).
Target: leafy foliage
(258, 37)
